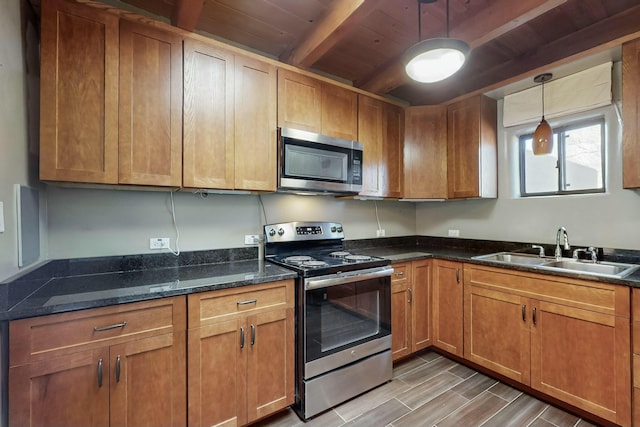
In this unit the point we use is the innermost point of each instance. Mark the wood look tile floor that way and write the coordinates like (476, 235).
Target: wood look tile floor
(432, 390)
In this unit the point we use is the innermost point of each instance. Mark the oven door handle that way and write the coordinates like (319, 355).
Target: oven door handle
(349, 277)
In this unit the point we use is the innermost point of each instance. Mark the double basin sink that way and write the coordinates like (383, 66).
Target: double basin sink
(570, 265)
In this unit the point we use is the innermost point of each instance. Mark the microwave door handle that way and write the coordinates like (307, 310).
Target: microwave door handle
(325, 282)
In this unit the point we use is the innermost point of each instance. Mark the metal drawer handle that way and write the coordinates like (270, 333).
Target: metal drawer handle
(253, 334)
(524, 312)
(251, 301)
(118, 369)
(99, 373)
(400, 273)
(535, 320)
(457, 275)
(241, 337)
(107, 328)
(410, 294)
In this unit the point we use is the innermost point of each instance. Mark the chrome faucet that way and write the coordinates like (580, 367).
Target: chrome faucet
(561, 232)
(540, 250)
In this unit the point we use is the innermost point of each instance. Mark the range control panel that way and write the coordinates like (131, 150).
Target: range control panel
(301, 231)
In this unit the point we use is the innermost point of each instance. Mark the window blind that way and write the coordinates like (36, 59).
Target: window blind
(575, 93)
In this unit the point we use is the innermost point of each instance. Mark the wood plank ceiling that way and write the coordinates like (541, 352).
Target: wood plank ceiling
(362, 41)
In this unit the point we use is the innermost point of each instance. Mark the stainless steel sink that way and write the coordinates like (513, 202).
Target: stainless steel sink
(601, 268)
(514, 258)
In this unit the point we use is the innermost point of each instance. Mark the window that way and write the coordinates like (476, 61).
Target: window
(575, 166)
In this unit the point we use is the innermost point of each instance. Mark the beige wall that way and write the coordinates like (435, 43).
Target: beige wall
(17, 154)
(108, 222)
(611, 219)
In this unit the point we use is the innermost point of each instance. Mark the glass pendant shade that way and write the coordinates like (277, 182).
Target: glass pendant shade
(543, 135)
(543, 138)
(435, 59)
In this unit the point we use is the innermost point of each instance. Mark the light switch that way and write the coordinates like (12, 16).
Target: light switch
(1, 217)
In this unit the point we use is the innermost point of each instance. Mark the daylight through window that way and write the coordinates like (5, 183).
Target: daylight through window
(575, 166)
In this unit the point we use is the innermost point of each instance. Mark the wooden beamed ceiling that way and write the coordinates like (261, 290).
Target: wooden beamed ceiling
(362, 41)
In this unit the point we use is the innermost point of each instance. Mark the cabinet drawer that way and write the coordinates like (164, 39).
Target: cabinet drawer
(58, 334)
(215, 306)
(401, 272)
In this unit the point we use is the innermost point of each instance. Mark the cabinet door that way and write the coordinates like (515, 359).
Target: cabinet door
(63, 391)
(471, 148)
(255, 145)
(217, 374)
(496, 331)
(631, 114)
(401, 311)
(150, 119)
(208, 116)
(447, 306)
(299, 100)
(392, 166)
(583, 358)
(425, 153)
(371, 114)
(421, 276)
(270, 382)
(462, 148)
(79, 92)
(339, 112)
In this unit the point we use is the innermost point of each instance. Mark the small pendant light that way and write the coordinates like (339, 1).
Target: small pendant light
(543, 136)
(432, 60)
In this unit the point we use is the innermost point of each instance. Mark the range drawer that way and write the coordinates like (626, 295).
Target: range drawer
(43, 337)
(215, 306)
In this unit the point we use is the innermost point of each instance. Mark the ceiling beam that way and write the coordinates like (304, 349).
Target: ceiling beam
(342, 16)
(613, 29)
(186, 14)
(496, 20)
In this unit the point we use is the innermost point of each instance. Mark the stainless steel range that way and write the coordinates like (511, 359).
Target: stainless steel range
(343, 314)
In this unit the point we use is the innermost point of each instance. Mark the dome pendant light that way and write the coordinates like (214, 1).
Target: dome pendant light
(433, 60)
(543, 136)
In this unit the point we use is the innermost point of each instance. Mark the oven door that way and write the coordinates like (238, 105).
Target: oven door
(347, 317)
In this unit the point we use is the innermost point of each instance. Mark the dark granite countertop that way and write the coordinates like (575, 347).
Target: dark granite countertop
(65, 285)
(38, 293)
(463, 251)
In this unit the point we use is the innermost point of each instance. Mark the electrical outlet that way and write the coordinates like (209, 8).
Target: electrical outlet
(454, 233)
(380, 233)
(251, 239)
(159, 243)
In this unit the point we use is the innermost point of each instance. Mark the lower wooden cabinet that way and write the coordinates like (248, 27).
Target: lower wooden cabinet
(635, 335)
(88, 369)
(566, 338)
(241, 354)
(410, 307)
(447, 306)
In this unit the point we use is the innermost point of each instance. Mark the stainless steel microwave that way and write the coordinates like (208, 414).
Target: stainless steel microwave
(309, 162)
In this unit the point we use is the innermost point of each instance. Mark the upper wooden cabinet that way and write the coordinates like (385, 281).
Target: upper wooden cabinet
(150, 108)
(111, 96)
(631, 114)
(425, 152)
(79, 94)
(309, 104)
(224, 92)
(380, 129)
(255, 145)
(208, 134)
(472, 148)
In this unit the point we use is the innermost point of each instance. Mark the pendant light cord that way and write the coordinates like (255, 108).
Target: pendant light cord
(543, 99)
(419, 21)
(447, 18)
